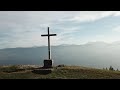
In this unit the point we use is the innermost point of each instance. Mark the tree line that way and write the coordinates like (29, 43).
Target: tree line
(110, 69)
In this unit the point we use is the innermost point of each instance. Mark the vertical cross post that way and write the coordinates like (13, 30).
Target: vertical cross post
(49, 48)
(48, 63)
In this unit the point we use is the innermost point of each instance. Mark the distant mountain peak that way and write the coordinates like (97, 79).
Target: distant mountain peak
(66, 44)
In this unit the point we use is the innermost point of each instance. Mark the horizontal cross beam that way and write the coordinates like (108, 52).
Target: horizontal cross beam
(49, 35)
(49, 49)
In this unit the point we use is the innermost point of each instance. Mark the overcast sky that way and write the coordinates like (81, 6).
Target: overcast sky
(24, 28)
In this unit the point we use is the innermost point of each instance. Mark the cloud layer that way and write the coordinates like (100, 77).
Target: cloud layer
(89, 16)
(24, 28)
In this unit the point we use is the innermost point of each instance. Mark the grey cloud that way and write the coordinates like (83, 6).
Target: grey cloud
(23, 28)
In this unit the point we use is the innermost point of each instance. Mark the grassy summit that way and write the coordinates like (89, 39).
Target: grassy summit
(65, 72)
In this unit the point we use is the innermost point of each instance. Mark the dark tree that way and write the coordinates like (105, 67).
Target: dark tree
(111, 68)
(117, 70)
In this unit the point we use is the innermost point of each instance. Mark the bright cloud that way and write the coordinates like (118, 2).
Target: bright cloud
(24, 28)
(88, 16)
(117, 29)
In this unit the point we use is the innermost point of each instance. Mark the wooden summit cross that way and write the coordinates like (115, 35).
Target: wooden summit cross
(48, 63)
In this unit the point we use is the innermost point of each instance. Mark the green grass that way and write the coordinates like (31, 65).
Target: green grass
(66, 72)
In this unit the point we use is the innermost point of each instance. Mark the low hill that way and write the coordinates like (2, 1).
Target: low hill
(58, 72)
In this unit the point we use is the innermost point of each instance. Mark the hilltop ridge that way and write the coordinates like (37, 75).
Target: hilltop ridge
(57, 72)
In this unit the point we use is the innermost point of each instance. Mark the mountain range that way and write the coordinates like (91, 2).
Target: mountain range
(92, 54)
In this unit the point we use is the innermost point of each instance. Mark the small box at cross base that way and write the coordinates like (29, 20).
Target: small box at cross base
(48, 63)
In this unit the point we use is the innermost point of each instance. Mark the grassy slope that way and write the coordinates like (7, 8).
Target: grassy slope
(67, 72)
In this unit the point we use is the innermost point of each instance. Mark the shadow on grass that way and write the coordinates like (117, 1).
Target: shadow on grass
(42, 71)
(11, 69)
